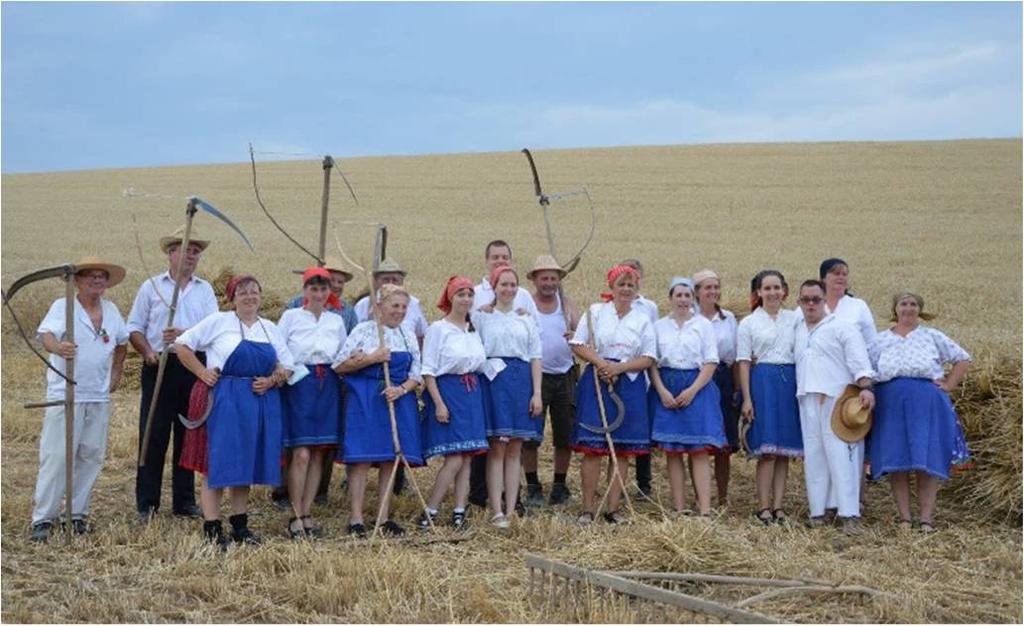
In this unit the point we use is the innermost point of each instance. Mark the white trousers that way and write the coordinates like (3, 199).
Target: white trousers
(90, 447)
(831, 466)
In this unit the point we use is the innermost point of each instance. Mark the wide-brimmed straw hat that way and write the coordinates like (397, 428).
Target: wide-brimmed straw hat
(175, 239)
(851, 421)
(389, 266)
(115, 272)
(545, 262)
(333, 264)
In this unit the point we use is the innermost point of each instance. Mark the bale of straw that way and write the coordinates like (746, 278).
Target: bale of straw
(989, 405)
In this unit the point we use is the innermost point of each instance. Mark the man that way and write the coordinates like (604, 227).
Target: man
(339, 278)
(146, 326)
(496, 254)
(389, 272)
(830, 354)
(649, 308)
(99, 349)
(499, 253)
(558, 379)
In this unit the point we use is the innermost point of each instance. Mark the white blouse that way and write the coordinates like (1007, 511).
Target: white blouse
(622, 339)
(220, 333)
(447, 349)
(509, 334)
(95, 349)
(647, 307)
(766, 340)
(414, 320)
(921, 354)
(483, 295)
(685, 347)
(725, 336)
(364, 339)
(309, 339)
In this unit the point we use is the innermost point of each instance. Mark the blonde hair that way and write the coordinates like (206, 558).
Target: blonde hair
(920, 305)
(389, 291)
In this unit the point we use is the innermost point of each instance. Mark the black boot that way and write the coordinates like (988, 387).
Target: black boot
(214, 533)
(240, 532)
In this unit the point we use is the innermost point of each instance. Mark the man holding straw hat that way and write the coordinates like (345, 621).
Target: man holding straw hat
(149, 335)
(834, 389)
(99, 349)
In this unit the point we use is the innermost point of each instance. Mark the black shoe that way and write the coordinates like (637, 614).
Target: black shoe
(41, 532)
(459, 520)
(391, 529)
(145, 515)
(426, 520)
(214, 533)
(79, 526)
(240, 532)
(191, 511)
(311, 530)
(520, 509)
(358, 530)
(534, 495)
(299, 533)
(559, 494)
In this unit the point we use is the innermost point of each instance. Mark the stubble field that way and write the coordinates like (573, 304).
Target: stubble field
(940, 218)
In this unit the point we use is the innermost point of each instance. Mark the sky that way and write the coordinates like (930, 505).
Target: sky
(110, 85)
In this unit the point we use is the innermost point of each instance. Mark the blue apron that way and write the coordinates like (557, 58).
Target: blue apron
(367, 437)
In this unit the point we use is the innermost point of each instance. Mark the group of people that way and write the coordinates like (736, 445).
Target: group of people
(246, 401)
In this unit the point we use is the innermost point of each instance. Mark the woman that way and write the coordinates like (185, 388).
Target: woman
(841, 303)
(764, 350)
(915, 427)
(246, 361)
(686, 417)
(312, 406)
(368, 438)
(708, 289)
(625, 347)
(512, 389)
(455, 423)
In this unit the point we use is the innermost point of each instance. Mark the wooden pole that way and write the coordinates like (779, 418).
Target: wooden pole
(69, 402)
(190, 212)
(325, 201)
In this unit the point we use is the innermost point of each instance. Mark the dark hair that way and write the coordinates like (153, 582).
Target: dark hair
(469, 321)
(755, 286)
(317, 280)
(811, 282)
(497, 243)
(830, 264)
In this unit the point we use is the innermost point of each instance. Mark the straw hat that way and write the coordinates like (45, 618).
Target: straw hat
(850, 420)
(175, 239)
(116, 272)
(389, 266)
(334, 264)
(546, 262)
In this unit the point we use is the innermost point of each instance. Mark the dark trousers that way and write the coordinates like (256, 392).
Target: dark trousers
(643, 470)
(174, 393)
(478, 479)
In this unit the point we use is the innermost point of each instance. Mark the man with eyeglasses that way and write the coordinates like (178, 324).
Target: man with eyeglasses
(830, 355)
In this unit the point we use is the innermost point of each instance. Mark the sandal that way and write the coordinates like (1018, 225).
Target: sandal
(780, 516)
(926, 527)
(764, 516)
(586, 518)
(311, 530)
(500, 521)
(293, 533)
(615, 518)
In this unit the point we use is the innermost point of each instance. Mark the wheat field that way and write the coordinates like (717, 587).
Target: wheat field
(940, 218)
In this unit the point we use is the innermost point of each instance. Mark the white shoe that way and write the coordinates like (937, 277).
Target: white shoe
(500, 521)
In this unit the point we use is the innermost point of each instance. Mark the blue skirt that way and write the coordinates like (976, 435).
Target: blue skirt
(507, 403)
(466, 430)
(730, 416)
(633, 437)
(244, 429)
(776, 426)
(312, 409)
(367, 437)
(694, 428)
(915, 429)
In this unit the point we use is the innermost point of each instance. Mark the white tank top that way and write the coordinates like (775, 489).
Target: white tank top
(557, 357)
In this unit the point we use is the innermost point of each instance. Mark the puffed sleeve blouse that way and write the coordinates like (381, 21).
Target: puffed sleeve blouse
(765, 340)
(364, 339)
(448, 349)
(685, 347)
(621, 339)
(509, 335)
(218, 334)
(921, 354)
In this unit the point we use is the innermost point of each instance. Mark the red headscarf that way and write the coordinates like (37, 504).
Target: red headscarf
(498, 271)
(229, 290)
(455, 282)
(613, 275)
(332, 300)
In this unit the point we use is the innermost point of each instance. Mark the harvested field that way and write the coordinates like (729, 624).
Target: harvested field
(942, 218)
